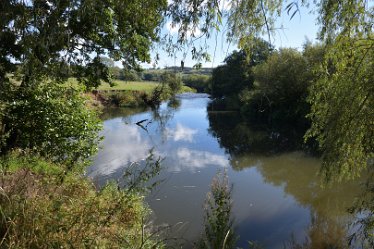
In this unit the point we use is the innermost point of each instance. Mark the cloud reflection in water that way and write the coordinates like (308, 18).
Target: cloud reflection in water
(122, 145)
(181, 133)
(194, 159)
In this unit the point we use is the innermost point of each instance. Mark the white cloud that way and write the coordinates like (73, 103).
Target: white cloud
(181, 133)
(122, 145)
(194, 159)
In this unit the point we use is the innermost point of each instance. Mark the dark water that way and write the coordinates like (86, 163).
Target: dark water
(276, 195)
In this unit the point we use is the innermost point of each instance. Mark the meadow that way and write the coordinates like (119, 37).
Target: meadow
(120, 85)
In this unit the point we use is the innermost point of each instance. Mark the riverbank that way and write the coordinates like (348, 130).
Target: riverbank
(129, 94)
(43, 206)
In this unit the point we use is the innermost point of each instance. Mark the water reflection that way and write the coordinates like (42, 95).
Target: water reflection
(363, 208)
(181, 133)
(297, 175)
(270, 153)
(122, 145)
(277, 192)
(236, 136)
(194, 159)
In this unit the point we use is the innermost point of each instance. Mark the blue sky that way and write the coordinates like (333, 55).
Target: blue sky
(293, 33)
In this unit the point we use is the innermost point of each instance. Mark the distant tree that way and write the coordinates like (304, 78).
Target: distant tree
(198, 81)
(280, 90)
(130, 75)
(173, 82)
(236, 74)
(116, 73)
(107, 61)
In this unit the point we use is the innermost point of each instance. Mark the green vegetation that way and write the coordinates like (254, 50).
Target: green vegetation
(45, 201)
(136, 95)
(286, 90)
(235, 75)
(199, 82)
(173, 81)
(145, 86)
(44, 43)
(133, 93)
(120, 85)
(49, 120)
(342, 101)
(278, 96)
(218, 223)
(40, 209)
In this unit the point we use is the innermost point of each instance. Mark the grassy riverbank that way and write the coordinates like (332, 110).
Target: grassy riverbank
(127, 93)
(42, 206)
(120, 85)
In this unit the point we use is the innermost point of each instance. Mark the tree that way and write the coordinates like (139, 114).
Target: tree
(50, 121)
(200, 82)
(236, 74)
(173, 81)
(45, 37)
(130, 75)
(342, 99)
(280, 91)
(48, 41)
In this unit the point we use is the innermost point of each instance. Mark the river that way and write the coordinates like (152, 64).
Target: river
(277, 194)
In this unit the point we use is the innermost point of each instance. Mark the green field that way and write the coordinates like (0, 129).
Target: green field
(146, 86)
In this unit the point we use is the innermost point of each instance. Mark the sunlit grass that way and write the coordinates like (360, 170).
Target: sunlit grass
(39, 210)
(120, 85)
(146, 86)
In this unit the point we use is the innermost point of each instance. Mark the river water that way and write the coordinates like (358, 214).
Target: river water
(277, 194)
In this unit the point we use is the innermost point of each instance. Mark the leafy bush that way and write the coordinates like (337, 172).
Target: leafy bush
(280, 90)
(236, 74)
(218, 224)
(49, 120)
(129, 75)
(197, 81)
(40, 211)
(124, 98)
(173, 82)
(152, 75)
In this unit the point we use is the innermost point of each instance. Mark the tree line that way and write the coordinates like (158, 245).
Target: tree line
(48, 41)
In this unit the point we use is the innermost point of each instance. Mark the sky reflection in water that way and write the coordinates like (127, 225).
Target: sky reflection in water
(275, 197)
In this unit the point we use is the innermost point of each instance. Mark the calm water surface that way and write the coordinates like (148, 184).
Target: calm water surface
(276, 196)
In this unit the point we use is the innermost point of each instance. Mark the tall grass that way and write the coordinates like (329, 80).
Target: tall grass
(40, 210)
(218, 223)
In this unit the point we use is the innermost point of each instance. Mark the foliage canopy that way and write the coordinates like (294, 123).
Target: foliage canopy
(50, 40)
(236, 74)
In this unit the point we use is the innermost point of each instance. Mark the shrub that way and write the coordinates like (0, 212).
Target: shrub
(173, 82)
(280, 91)
(40, 211)
(123, 98)
(198, 82)
(49, 120)
(130, 75)
(218, 223)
